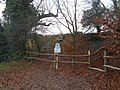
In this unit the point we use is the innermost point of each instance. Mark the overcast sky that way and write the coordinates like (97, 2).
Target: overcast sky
(2, 6)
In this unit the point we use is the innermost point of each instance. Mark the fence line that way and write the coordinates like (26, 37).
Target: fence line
(91, 60)
(98, 69)
(39, 59)
(102, 48)
(105, 66)
(96, 58)
(55, 61)
(109, 66)
(111, 57)
(48, 54)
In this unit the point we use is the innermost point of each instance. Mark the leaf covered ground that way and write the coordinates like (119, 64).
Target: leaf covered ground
(39, 75)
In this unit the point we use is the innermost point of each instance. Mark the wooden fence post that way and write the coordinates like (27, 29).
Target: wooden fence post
(56, 61)
(105, 60)
(89, 57)
(30, 57)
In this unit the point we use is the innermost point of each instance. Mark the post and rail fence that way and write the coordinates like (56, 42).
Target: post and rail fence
(56, 61)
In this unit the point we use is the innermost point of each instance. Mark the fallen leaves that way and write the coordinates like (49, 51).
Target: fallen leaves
(41, 75)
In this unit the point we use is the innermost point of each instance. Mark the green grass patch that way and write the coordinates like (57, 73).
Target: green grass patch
(14, 65)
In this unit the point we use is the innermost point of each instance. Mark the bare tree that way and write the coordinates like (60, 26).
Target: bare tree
(45, 11)
(69, 16)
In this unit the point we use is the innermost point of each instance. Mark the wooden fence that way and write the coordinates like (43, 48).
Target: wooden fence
(89, 55)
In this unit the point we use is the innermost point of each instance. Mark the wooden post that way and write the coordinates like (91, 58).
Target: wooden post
(73, 60)
(56, 61)
(89, 57)
(57, 50)
(105, 60)
(30, 57)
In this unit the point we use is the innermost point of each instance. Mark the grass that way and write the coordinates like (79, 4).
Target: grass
(8, 66)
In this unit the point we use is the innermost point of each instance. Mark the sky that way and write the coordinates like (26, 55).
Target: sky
(2, 6)
(54, 29)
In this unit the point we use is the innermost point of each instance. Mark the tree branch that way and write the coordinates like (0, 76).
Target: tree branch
(47, 15)
(44, 24)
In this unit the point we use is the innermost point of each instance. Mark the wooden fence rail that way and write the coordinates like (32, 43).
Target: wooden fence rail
(56, 61)
(105, 66)
(48, 54)
(109, 66)
(89, 55)
(77, 62)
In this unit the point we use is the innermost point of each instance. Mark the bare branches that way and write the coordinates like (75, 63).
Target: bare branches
(39, 4)
(44, 11)
(47, 15)
(70, 13)
(44, 24)
(67, 26)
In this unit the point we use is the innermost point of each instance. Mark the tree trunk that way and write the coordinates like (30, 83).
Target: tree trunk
(74, 50)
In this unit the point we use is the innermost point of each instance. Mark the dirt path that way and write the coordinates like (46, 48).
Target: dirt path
(42, 76)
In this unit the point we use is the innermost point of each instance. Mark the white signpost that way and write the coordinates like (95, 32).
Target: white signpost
(57, 50)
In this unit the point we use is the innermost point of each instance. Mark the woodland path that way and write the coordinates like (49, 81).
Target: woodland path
(41, 76)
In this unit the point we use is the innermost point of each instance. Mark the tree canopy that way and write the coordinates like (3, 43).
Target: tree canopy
(21, 19)
(3, 44)
(105, 20)
(91, 17)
